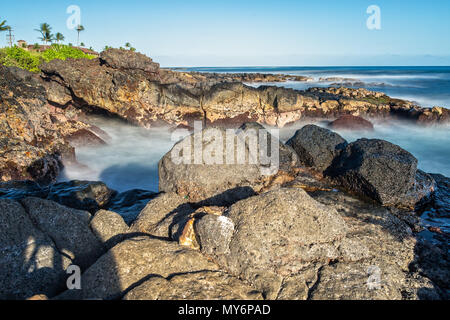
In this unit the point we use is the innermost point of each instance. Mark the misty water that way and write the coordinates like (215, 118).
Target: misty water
(130, 159)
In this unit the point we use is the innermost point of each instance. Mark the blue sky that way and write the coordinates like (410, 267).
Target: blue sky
(250, 32)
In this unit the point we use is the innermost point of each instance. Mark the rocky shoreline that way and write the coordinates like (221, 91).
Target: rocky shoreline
(338, 220)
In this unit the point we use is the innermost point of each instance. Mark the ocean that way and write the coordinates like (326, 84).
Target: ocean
(427, 86)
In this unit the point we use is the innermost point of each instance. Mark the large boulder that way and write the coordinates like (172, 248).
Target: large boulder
(316, 147)
(220, 166)
(68, 228)
(205, 285)
(266, 238)
(376, 169)
(30, 262)
(132, 262)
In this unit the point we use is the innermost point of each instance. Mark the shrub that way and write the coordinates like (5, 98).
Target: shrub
(18, 57)
(63, 52)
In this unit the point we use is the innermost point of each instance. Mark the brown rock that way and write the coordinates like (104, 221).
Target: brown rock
(350, 122)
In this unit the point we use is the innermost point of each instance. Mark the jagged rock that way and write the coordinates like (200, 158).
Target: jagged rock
(132, 262)
(276, 234)
(128, 60)
(317, 147)
(351, 122)
(32, 146)
(376, 169)
(68, 228)
(29, 261)
(82, 195)
(194, 286)
(109, 227)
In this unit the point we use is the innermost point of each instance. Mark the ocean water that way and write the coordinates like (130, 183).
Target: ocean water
(130, 160)
(427, 86)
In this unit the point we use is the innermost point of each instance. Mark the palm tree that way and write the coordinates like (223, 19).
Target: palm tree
(46, 33)
(59, 37)
(127, 45)
(79, 29)
(3, 26)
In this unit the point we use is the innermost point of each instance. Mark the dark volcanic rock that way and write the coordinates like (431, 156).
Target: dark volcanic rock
(126, 59)
(350, 122)
(83, 195)
(376, 169)
(317, 147)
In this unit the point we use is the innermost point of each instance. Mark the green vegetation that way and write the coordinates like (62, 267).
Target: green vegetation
(18, 57)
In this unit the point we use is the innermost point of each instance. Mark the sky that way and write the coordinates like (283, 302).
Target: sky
(180, 33)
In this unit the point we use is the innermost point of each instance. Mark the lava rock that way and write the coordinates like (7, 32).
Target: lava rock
(375, 169)
(316, 147)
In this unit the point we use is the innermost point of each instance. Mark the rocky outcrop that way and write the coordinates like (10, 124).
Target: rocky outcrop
(317, 147)
(129, 60)
(32, 144)
(132, 86)
(350, 122)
